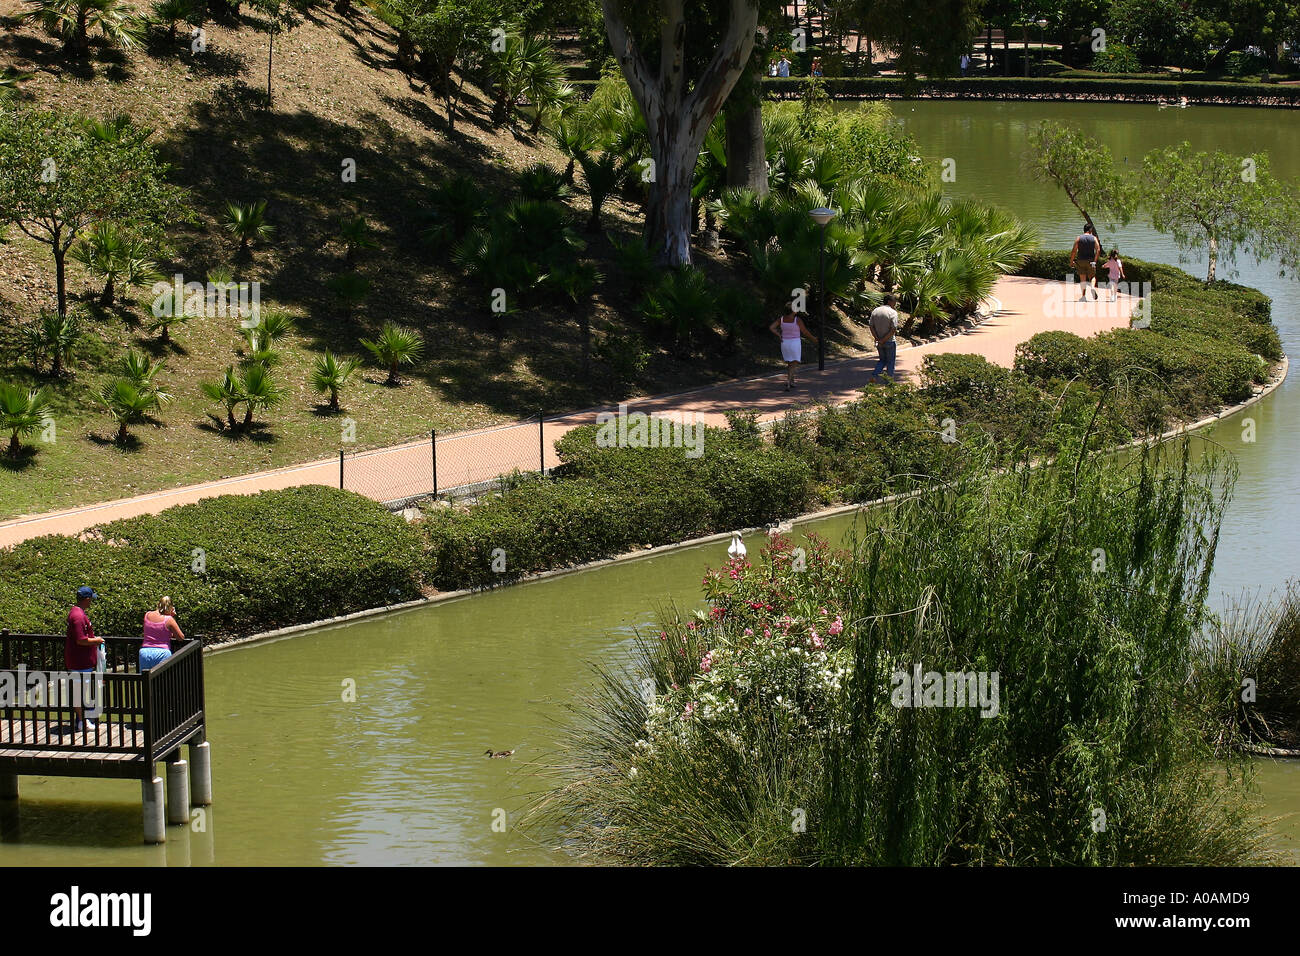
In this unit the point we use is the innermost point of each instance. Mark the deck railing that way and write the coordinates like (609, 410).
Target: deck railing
(146, 715)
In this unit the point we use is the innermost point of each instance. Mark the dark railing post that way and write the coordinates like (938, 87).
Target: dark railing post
(433, 448)
(541, 442)
(340, 469)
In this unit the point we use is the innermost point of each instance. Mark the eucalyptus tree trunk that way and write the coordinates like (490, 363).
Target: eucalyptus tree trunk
(746, 146)
(677, 114)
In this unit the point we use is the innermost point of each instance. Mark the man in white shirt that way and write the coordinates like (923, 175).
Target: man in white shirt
(884, 326)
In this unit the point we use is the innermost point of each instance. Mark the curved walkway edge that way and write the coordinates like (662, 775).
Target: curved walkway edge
(1027, 306)
(446, 596)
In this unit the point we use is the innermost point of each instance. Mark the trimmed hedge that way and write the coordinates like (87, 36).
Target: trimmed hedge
(1014, 87)
(1207, 345)
(272, 559)
(606, 501)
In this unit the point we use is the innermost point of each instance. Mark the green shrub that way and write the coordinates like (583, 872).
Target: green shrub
(269, 560)
(1116, 58)
(610, 500)
(1064, 355)
(955, 375)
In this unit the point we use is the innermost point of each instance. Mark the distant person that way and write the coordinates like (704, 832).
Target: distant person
(159, 628)
(772, 68)
(81, 649)
(1083, 259)
(965, 64)
(789, 328)
(884, 328)
(1115, 273)
(783, 67)
(817, 66)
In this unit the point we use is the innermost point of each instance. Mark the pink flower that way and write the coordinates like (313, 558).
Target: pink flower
(675, 687)
(767, 632)
(817, 641)
(718, 613)
(663, 635)
(690, 709)
(706, 662)
(749, 632)
(690, 625)
(836, 626)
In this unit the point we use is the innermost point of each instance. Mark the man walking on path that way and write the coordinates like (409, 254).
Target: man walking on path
(884, 325)
(1083, 257)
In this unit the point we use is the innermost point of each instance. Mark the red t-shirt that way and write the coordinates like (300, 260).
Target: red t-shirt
(79, 657)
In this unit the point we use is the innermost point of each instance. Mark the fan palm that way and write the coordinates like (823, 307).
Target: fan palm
(683, 301)
(172, 12)
(74, 20)
(248, 223)
(454, 207)
(116, 129)
(141, 371)
(354, 233)
(332, 375)
(52, 336)
(602, 172)
(541, 183)
(394, 347)
(350, 288)
(22, 413)
(228, 391)
(168, 312)
(127, 403)
(525, 69)
(109, 256)
(259, 390)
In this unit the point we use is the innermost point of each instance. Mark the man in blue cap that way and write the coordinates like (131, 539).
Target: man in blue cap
(81, 650)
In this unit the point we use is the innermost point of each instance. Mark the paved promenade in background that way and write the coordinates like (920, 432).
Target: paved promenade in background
(1029, 306)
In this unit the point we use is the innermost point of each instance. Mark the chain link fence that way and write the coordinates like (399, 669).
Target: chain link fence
(457, 464)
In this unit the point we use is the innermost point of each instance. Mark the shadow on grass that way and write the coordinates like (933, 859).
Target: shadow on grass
(20, 462)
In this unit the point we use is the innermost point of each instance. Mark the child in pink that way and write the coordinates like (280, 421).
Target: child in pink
(1115, 270)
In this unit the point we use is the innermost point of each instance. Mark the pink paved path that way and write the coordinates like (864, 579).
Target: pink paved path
(404, 470)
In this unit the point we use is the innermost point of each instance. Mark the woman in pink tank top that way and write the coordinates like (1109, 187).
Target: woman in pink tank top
(791, 331)
(159, 628)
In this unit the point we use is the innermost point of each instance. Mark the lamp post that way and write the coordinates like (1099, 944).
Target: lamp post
(822, 216)
(1042, 39)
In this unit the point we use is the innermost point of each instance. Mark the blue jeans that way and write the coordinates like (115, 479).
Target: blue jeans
(152, 656)
(888, 357)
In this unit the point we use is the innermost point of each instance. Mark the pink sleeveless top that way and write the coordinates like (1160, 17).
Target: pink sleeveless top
(789, 330)
(157, 634)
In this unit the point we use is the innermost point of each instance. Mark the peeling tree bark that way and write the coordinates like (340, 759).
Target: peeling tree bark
(677, 119)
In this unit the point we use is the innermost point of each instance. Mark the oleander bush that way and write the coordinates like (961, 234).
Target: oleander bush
(233, 565)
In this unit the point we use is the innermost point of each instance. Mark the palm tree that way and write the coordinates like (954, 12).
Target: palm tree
(350, 288)
(271, 326)
(73, 20)
(128, 404)
(332, 375)
(541, 183)
(526, 68)
(107, 255)
(22, 413)
(52, 336)
(354, 233)
(168, 312)
(248, 223)
(119, 128)
(172, 12)
(394, 347)
(141, 371)
(228, 392)
(603, 174)
(683, 301)
(259, 391)
(454, 207)
(577, 281)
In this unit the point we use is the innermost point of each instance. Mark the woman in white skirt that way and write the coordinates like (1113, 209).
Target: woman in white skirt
(791, 331)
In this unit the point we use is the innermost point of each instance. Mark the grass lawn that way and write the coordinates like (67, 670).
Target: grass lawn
(338, 95)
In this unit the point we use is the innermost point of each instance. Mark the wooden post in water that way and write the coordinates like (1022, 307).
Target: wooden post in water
(155, 827)
(178, 792)
(8, 786)
(201, 774)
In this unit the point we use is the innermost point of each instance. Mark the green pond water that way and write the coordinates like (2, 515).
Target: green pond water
(399, 776)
